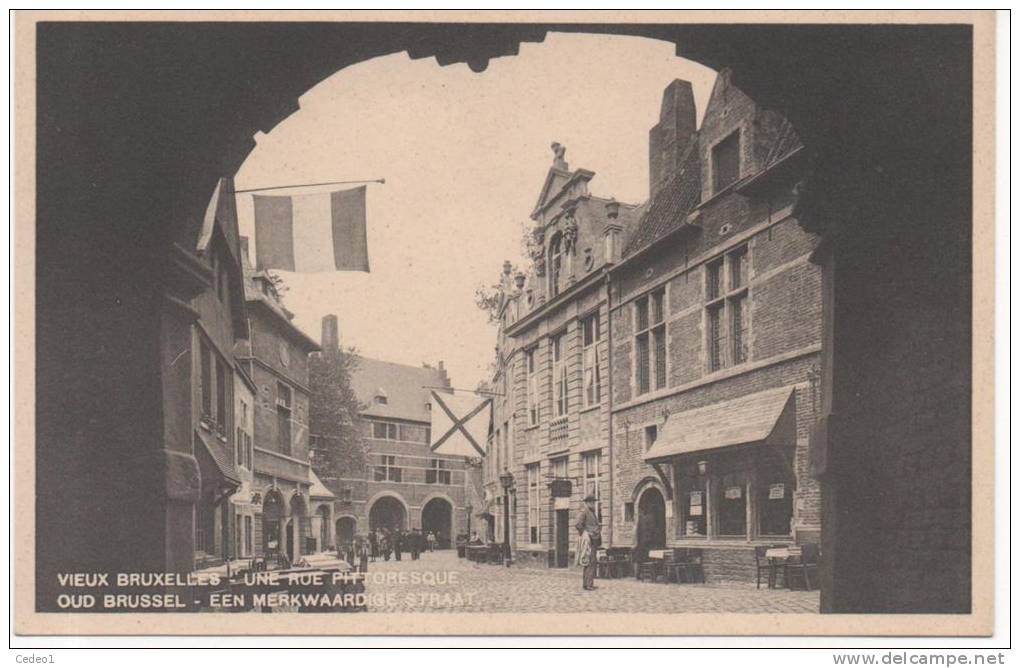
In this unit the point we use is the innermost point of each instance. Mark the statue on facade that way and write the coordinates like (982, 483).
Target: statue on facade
(559, 156)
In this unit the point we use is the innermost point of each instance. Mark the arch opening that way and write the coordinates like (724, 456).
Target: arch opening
(437, 518)
(387, 513)
(651, 523)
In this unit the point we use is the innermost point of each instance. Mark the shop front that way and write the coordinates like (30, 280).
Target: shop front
(731, 471)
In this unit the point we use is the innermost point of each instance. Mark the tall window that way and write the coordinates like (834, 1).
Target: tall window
(555, 264)
(532, 388)
(534, 532)
(248, 535)
(559, 376)
(221, 397)
(592, 464)
(732, 504)
(650, 341)
(592, 374)
(283, 412)
(559, 467)
(726, 161)
(726, 309)
(437, 473)
(205, 360)
(388, 469)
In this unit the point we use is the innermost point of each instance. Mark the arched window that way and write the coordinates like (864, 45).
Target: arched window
(555, 264)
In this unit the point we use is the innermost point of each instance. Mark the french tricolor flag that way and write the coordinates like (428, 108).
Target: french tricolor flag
(315, 232)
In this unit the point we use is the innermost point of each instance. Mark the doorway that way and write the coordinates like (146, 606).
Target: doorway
(437, 517)
(651, 530)
(345, 529)
(562, 538)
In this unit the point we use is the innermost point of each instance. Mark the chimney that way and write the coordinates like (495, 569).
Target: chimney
(330, 334)
(668, 140)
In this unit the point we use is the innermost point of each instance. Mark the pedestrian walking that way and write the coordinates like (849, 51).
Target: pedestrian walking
(398, 544)
(431, 541)
(373, 545)
(590, 530)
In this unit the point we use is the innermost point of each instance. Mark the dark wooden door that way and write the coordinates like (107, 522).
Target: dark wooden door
(562, 538)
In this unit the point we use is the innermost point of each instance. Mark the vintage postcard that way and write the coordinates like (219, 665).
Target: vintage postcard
(504, 323)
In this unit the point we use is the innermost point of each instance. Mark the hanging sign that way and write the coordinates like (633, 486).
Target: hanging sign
(777, 491)
(734, 492)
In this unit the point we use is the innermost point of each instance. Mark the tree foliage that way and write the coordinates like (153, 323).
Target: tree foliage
(333, 414)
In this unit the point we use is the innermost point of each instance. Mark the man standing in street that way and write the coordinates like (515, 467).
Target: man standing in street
(590, 530)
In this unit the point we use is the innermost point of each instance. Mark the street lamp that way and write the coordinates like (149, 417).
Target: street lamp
(507, 480)
(469, 508)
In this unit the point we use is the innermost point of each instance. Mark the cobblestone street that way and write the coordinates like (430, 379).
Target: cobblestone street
(400, 587)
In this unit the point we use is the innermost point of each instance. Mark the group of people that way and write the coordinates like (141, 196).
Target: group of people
(387, 543)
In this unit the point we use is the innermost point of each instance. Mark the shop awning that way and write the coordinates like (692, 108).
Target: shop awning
(763, 417)
(215, 463)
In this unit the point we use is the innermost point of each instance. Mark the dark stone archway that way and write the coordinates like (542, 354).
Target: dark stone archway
(137, 122)
(387, 512)
(437, 517)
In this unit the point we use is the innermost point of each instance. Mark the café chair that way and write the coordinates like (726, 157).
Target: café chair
(803, 568)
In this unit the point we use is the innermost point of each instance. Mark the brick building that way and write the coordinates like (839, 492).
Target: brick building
(716, 330)
(698, 316)
(551, 413)
(404, 485)
(275, 356)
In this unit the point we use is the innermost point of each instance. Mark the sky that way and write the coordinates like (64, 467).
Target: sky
(464, 156)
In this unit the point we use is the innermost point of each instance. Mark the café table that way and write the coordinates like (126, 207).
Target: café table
(777, 557)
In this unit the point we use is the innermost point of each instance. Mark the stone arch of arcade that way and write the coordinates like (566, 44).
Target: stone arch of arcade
(883, 220)
(439, 517)
(388, 510)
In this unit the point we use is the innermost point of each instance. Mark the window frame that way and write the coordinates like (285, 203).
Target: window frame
(556, 254)
(735, 137)
(284, 416)
(591, 367)
(647, 333)
(591, 476)
(558, 374)
(531, 369)
(727, 309)
(534, 504)
(434, 474)
(388, 469)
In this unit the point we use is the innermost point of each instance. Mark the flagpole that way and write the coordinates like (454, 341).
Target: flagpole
(310, 185)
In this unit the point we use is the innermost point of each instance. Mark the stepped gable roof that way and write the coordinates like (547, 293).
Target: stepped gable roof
(667, 211)
(403, 385)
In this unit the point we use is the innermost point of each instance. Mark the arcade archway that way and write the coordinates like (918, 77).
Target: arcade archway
(387, 512)
(437, 517)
